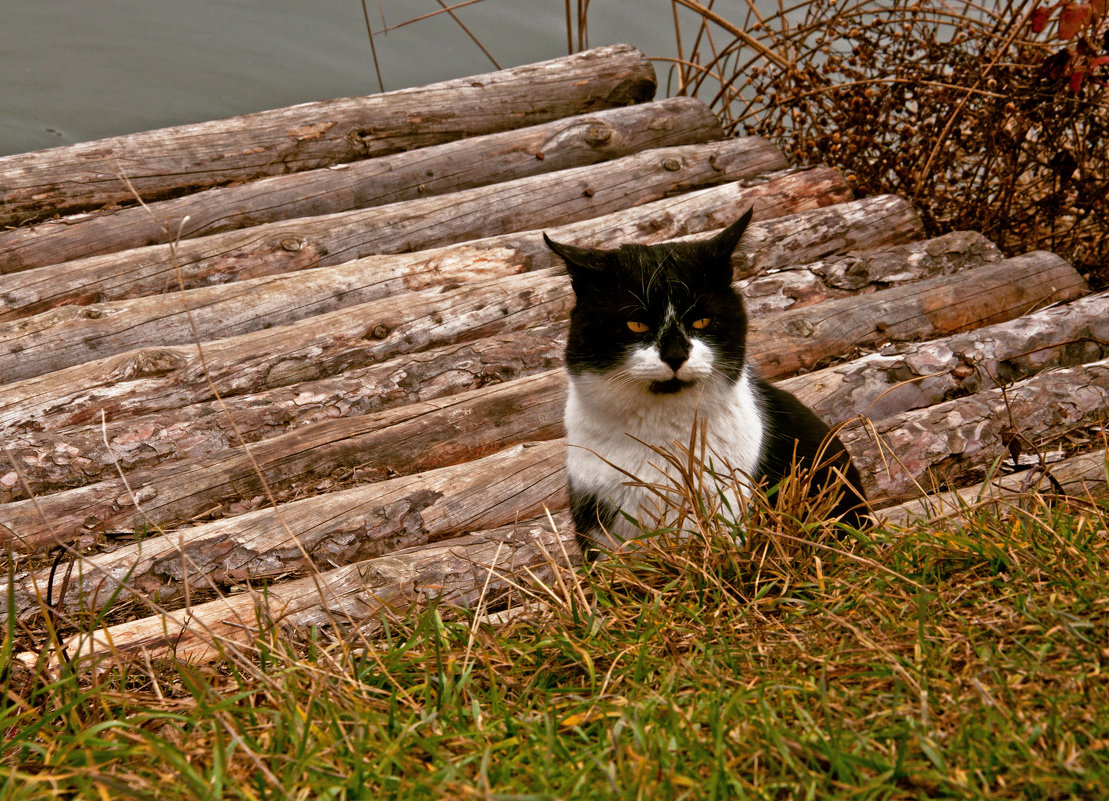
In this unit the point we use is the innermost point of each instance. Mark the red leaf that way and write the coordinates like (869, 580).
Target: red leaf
(1097, 62)
(1040, 16)
(1076, 79)
(1098, 8)
(1072, 19)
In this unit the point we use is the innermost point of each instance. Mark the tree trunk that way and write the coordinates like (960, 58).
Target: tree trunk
(310, 534)
(173, 161)
(62, 337)
(1081, 476)
(161, 378)
(580, 193)
(921, 450)
(462, 571)
(426, 171)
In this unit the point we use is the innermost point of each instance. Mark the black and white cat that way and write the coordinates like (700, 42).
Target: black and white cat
(657, 345)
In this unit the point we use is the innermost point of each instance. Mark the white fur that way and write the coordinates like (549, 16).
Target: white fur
(606, 413)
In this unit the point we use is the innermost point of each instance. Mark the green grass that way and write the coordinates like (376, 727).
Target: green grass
(969, 662)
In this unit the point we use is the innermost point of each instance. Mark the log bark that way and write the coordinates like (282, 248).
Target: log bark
(436, 170)
(173, 161)
(807, 337)
(162, 378)
(315, 533)
(909, 454)
(1082, 476)
(915, 375)
(62, 337)
(402, 441)
(579, 193)
(859, 272)
(62, 458)
(461, 572)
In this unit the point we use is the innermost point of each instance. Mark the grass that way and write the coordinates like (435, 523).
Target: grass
(965, 662)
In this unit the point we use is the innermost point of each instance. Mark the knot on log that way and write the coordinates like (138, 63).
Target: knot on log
(147, 362)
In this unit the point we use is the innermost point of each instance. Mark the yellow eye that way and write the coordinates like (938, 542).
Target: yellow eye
(637, 327)
(702, 323)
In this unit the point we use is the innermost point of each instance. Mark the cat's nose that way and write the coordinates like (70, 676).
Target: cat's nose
(673, 349)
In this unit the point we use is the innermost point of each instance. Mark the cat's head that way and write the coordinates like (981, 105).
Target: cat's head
(664, 317)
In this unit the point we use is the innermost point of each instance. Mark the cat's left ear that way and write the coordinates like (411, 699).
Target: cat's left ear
(581, 262)
(724, 243)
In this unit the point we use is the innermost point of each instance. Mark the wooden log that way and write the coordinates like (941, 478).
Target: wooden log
(915, 375)
(400, 441)
(1083, 476)
(461, 572)
(173, 161)
(806, 337)
(162, 378)
(906, 455)
(543, 200)
(311, 534)
(62, 458)
(450, 430)
(435, 170)
(858, 272)
(70, 335)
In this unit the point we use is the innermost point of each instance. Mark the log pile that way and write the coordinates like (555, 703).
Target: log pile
(323, 355)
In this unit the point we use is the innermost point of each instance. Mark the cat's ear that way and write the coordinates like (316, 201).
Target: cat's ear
(724, 243)
(581, 263)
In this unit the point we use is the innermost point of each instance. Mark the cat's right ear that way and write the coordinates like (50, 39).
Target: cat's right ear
(581, 263)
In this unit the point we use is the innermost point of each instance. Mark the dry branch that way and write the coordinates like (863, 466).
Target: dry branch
(70, 335)
(909, 454)
(161, 378)
(172, 161)
(286, 246)
(462, 572)
(435, 170)
(332, 530)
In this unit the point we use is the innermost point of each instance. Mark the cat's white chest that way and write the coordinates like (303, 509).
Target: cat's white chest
(610, 427)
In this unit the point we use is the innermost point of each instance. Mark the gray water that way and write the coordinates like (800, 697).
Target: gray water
(75, 70)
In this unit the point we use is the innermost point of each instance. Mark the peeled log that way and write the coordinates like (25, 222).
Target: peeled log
(918, 450)
(461, 572)
(805, 337)
(579, 193)
(330, 530)
(172, 161)
(1082, 476)
(917, 374)
(69, 335)
(161, 378)
(403, 441)
(854, 273)
(422, 172)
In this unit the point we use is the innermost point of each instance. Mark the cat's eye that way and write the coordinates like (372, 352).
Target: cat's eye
(702, 323)
(637, 327)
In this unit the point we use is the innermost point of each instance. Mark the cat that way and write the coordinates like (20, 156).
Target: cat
(657, 347)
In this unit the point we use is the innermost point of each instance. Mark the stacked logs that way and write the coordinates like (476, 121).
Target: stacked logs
(323, 355)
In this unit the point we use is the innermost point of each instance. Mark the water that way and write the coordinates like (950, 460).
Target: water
(72, 70)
